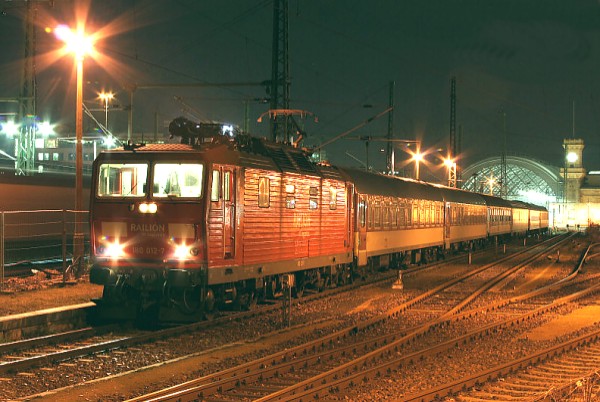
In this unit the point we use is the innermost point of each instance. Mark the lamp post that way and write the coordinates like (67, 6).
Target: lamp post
(106, 97)
(80, 45)
(417, 157)
(451, 165)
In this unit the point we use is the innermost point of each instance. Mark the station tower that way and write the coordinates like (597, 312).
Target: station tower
(573, 172)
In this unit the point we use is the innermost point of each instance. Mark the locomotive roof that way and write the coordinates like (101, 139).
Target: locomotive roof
(259, 155)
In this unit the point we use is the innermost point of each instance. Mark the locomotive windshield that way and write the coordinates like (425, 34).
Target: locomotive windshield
(122, 179)
(169, 180)
(177, 180)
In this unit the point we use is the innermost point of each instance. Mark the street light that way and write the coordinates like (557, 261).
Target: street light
(451, 166)
(106, 97)
(79, 45)
(491, 181)
(417, 157)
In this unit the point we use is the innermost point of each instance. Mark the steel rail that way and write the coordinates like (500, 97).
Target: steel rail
(272, 364)
(354, 373)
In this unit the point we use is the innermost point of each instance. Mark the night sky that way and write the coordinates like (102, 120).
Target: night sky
(527, 60)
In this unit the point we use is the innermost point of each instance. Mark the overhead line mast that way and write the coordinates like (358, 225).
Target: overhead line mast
(25, 141)
(280, 70)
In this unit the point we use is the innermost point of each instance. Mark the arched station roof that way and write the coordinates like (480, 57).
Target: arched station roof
(524, 176)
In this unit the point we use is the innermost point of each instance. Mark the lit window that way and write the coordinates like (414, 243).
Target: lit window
(216, 185)
(362, 212)
(227, 186)
(177, 180)
(122, 179)
(313, 203)
(290, 202)
(332, 198)
(264, 192)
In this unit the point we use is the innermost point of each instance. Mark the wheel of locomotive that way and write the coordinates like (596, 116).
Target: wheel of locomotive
(300, 284)
(342, 276)
(246, 300)
(210, 305)
(320, 281)
(271, 288)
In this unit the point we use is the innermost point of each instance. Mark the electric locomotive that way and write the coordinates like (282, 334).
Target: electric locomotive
(184, 229)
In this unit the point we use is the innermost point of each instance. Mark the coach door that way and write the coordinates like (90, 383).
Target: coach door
(229, 202)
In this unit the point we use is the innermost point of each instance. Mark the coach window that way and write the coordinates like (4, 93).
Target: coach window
(415, 215)
(362, 212)
(313, 201)
(377, 216)
(386, 216)
(264, 192)
(215, 190)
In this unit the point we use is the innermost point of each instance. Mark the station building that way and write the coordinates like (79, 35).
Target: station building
(580, 204)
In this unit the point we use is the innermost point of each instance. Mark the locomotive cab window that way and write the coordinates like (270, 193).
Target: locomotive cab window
(177, 180)
(122, 180)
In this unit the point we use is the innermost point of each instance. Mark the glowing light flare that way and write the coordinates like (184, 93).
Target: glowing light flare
(572, 157)
(76, 41)
(449, 162)
(106, 96)
(148, 208)
(182, 251)
(10, 128)
(417, 157)
(45, 128)
(114, 249)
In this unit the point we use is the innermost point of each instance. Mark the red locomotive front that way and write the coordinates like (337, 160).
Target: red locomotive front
(146, 223)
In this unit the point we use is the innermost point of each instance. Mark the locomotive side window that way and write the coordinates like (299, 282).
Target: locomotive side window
(332, 198)
(313, 201)
(122, 179)
(264, 192)
(177, 180)
(215, 190)
(290, 198)
(227, 186)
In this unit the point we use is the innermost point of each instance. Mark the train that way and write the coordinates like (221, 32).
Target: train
(181, 230)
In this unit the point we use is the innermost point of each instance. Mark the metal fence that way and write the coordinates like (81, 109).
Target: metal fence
(41, 238)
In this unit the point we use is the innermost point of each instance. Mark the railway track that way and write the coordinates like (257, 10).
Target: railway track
(114, 349)
(35, 352)
(333, 363)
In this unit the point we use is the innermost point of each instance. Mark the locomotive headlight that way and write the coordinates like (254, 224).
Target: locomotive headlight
(114, 249)
(182, 251)
(148, 208)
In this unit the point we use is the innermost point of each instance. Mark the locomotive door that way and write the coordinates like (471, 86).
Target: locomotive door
(229, 199)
